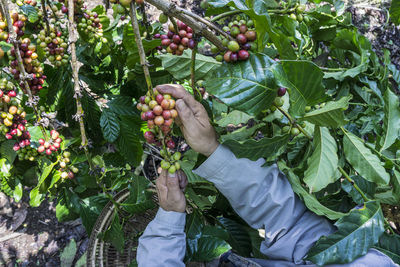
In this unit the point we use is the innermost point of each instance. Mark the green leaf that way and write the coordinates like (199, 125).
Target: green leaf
(35, 197)
(188, 162)
(309, 200)
(304, 81)
(253, 150)
(46, 172)
(235, 117)
(129, 144)
(363, 161)
(7, 152)
(391, 121)
(247, 86)
(390, 245)
(323, 163)
(109, 125)
(115, 234)
(31, 12)
(82, 261)
(239, 238)
(366, 187)
(395, 11)
(90, 209)
(122, 105)
(241, 134)
(179, 66)
(362, 226)
(139, 199)
(63, 213)
(67, 256)
(18, 191)
(331, 115)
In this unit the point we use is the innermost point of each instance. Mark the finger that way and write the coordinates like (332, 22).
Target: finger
(178, 92)
(186, 115)
(162, 178)
(162, 190)
(183, 182)
(174, 191)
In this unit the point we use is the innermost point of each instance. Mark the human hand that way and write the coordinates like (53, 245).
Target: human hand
(194, 122)
(170, 191)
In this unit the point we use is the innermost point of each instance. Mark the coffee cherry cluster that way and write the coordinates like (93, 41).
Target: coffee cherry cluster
(31, 63)
(160, 114)
(67, 171)
(51, 145)
(55, 45)
(172, 163)
(7, 91)
(27, 153)
(13, 126)
(27, 2)
(90, 24)
(176, 42)
(3, 30)
(245, 37)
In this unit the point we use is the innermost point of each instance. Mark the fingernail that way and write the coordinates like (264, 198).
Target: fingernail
(172, 175)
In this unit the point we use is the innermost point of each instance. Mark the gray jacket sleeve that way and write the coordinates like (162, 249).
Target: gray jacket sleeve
(264, 198)
(163, 243)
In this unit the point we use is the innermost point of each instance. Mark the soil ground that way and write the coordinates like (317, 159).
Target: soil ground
(34, 237)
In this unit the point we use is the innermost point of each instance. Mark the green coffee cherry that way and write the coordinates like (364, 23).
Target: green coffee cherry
(165, 165)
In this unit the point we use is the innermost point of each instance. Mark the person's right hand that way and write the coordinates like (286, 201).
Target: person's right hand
(195, 125)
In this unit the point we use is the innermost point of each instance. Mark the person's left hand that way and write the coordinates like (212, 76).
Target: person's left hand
(170, 191)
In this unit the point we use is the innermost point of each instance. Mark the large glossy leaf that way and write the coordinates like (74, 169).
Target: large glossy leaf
(309, 200)
(129, 141)
(264, 148)
(90, 209)
(139, 199)
(247, 86)
(115, 234)
(390, 245)
(395, 12)
(363, 161)
(239, 238)
(391, 121)
(304, 80)
(67, 256)
(357, 232)
(323, 163)
(366, 187)
(7, 152)
(179, 66)
(331, 115)
(109, 125)
(235, 117)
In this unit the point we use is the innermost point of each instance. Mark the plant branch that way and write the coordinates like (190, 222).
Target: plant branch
(170, 9)
(206, 22)
(46, 20)
(77, 89)
(173, 21)
(353, 183)
(293, 122)
(23, 75)
(223, 15)
(51, 8)
(142, 53)
(193, 68)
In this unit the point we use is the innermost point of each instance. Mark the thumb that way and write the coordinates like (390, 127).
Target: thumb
(174, 189)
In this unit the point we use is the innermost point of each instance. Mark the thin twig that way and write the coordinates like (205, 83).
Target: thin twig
(206, 22)
(151, 154)
(142, 53)
(74, 65)
(293, 122)
(23, 75)
(353, 183)
(173, 21)
(170, 10)
(193, 68)
(46, 20)
(223, 15)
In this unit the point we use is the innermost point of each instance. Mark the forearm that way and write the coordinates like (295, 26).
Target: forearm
(264, 198)
(163, 243)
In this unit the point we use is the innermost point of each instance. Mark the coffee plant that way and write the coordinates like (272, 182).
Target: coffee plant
(292, 82)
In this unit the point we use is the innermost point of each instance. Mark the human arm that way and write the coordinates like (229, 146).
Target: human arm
(163, 243)
(260, 195)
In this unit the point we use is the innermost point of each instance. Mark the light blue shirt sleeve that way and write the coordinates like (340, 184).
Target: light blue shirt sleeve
(163, 243)
(264, 198)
